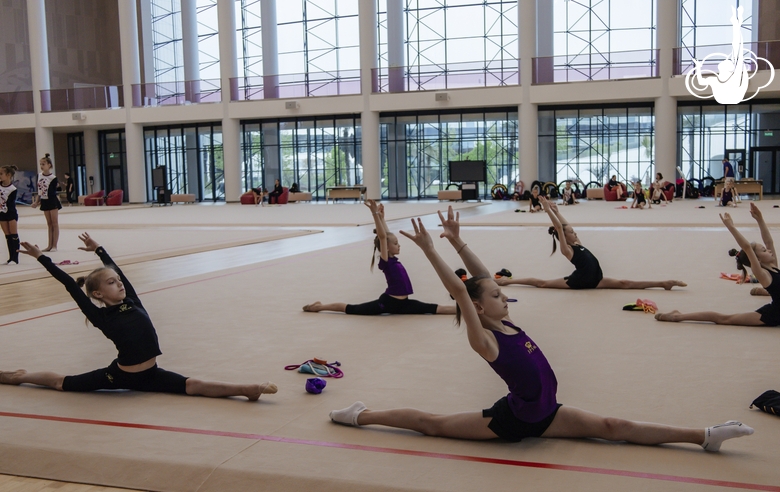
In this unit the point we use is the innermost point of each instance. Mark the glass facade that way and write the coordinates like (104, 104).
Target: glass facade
(416, 149)
(314, 152)
(193, 157)
(592, 144)
(113, 160)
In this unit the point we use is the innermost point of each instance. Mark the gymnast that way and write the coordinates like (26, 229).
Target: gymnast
(763, 264)
(124, 321)
(9, 217)
(48, 201)
(395, 300)
(531, 408)
(588, 273)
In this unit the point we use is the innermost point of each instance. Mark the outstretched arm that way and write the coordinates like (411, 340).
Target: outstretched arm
(763, 277)
(92, 245)
(766, 237)
(558, 221)
(452, 232)
(380, 226)
(483, 342)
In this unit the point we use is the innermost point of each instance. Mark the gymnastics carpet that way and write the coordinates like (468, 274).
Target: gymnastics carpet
(243, 323)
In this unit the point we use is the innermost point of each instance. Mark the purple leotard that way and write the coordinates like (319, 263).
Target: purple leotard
(531, 380)
(398, 283)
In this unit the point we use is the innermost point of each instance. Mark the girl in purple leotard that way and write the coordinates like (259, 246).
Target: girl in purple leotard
(395, 299)
(530, 409)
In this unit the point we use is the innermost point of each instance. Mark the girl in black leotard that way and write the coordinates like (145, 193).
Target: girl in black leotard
(763, 264)
(8, 215)
(588, 273)
(535, 206)
(639, 196)
(124, 321)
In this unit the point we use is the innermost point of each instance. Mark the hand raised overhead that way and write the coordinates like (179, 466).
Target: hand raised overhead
(421, 237)
(755, 212)
(89, 243)
(727, 221)
(451, 224)
(30, 249)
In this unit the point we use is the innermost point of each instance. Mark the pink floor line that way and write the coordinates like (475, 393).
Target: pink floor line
(407, 452)
(281, 262)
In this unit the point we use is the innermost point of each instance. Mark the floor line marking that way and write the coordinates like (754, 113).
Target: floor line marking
(407, 452)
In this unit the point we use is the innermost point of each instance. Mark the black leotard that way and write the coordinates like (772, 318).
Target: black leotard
(770, 313)
(588, 272)
(535, 202)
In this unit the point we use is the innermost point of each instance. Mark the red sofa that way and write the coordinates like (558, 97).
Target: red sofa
(115, 198)
(611, 196)
(282, 198)
(668, 188)
(93, 199)
(248, 198)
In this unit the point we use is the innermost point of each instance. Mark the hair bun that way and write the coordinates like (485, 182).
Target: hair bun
(81, 281)
(733, 252)
(551, 230)
(47, 155)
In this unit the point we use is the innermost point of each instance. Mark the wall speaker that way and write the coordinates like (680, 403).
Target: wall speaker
(79, 116)
(291, 105)
(442, 96)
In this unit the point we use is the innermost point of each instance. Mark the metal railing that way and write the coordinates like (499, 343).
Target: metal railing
(16, 102)
(311, 84)
(99, 97)
(683, 57)
(177, 93)
(446, 76)
(595, 66)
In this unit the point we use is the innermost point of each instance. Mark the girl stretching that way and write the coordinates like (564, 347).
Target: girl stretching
(395, 300)
(763, 264)
(8, 214)
(588, 273)
(48, 201)
(530, 409)
(124, 321)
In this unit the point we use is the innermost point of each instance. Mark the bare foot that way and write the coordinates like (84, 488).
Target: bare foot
(12, 377)
(314, 307)
(670, 316)
(46, 250)
(674, 283)
(255, 390)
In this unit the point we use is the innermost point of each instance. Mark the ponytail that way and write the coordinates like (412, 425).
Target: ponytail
(376, 248)
(554, 233)
(742, 261)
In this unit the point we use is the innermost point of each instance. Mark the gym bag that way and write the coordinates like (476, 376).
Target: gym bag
(769, 402)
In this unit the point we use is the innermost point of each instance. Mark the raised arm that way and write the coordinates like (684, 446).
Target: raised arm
(763, 277)
(766, 237)
(558, 221)
(452, 232)
(483, 342)
(90, 310)
(379, 225)
(92, 245)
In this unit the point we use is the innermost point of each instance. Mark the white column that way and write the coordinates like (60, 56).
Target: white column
(666, 106)
(131, 74)
(39, 68)
(395, 45)
(228, 66)
(92, 160)
(369, 120)
(270, 49)
(527, 112)
(189, 35)
(147, 41)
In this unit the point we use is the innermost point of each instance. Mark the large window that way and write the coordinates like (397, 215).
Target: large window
(416, 149)
(593, 144)
(193, 157)
(705, 27)
(314, 152)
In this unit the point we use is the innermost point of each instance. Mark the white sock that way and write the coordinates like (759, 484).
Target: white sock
(715, 435)
(349, 415)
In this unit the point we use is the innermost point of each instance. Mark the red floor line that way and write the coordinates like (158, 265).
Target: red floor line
(258, 267)
(407, 452)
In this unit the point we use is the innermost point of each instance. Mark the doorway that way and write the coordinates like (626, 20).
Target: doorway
(763, 166)
(113, 161)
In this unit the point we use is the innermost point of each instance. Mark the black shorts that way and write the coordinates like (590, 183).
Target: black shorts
(390, 305)
(50, 204)
(770, 314)
(583, 280)
(8, 216)
(153, 380)
(509, 428)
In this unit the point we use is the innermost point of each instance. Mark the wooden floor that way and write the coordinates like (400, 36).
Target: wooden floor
(23, 484)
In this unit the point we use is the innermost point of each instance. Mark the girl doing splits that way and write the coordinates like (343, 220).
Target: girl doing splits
(395, 300)
(124, 321)
(530, 409)
(762, 262)
(588, 273)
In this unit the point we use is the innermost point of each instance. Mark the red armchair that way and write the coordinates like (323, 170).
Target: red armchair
(669, 190)
(248, 198)
(115, 197)
(282, 198)
(611, 196)
(94, 199)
